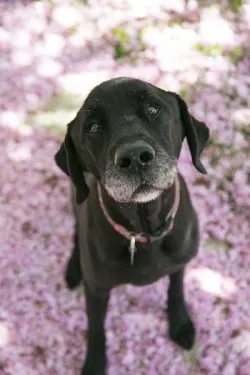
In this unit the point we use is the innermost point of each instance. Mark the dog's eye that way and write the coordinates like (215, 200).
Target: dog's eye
(94, 129)
(152, 110)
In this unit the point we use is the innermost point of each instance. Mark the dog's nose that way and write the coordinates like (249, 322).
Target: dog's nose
(137, 154)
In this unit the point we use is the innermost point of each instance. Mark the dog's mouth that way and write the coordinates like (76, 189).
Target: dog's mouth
(143, 193)
(146, 188)
(146, 193)
(143, 186)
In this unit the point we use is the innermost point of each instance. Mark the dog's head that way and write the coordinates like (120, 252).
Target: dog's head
(129, 134)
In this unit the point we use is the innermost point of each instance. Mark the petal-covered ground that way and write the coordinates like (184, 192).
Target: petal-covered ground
(52, 53)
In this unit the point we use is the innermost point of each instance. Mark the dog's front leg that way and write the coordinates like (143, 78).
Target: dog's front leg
(96, 304)
(181, 328)
(73, 275)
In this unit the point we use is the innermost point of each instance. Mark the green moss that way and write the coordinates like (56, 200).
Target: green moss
(209, 50)
(121, 47)
(121, 35)
(177, 21)
(235, 5)
(56, 113)
(184, 93)
(246, 132)
(142, 45)
(80, 292)
(191, 357)
(121, 51)
(235, 54)
(217, 245)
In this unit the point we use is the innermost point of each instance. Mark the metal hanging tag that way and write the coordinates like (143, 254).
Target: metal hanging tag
(132, 250)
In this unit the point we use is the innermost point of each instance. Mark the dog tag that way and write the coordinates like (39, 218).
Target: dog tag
(132, 250)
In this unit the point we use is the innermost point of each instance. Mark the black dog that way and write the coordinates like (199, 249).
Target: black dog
(138, 223)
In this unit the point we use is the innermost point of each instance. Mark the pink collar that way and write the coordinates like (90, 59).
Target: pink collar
(144, 238)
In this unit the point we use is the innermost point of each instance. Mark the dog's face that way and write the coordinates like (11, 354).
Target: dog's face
(129, 134)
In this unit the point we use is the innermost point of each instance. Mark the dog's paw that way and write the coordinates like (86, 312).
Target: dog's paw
(73, 276)
(92, 372)
(182, 332)
(94, 368)
(72, 280)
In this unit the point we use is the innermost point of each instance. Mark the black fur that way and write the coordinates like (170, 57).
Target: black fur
(100, 259)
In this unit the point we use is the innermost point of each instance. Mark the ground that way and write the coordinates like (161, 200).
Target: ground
(52, 54)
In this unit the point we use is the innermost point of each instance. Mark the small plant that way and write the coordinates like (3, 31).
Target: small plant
(235, 5)
(121, 46)
(127, 44)
(235, 54)
(209, 50)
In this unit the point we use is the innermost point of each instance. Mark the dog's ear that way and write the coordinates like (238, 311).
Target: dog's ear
(196, 132)
(67, 160)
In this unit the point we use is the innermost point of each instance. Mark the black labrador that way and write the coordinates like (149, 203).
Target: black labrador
(138, 223)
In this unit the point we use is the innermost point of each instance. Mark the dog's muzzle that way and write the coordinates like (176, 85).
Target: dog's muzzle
(138, 171)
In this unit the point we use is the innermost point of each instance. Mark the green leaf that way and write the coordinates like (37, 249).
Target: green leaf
(235, 5)
(236, 54)
(120, 51)
(209, 50)
(121, 35)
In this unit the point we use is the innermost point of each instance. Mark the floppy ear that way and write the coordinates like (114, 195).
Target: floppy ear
(67, 160)
(197, 134)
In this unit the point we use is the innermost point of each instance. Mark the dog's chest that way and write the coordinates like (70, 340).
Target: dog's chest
(150, 263)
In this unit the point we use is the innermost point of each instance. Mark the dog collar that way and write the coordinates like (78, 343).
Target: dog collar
(144, 238)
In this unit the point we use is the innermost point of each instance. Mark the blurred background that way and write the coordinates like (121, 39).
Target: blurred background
(52, 53)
